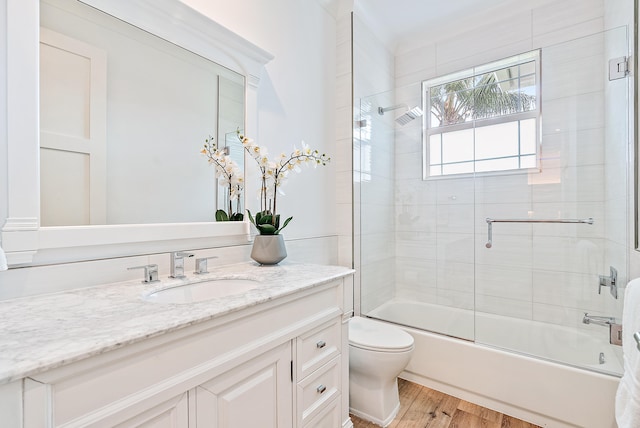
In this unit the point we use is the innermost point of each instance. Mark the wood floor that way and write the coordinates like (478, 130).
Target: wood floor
(421, 407)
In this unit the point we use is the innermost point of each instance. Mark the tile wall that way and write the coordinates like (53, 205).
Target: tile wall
(544, 272)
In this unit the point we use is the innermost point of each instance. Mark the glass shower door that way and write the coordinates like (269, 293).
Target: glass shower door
(537, 281)
(416, 235)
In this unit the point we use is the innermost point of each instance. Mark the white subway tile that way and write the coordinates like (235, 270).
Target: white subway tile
(455, 190)
(506, 250)
(408, 165)
(409, 140)
(455, 247)
(485, 39)
(416, 273)
(455, 299)
(474, 58)
(455, 276)
(417, 60)
(503, 211)
(560, 315)
(571, 114)
(567, 78)
(499, 306)
(571, 290)
(565, 36)
(416, 217)
(416, 77)
(416, 191)
(570, 184)
(506, 282)
(585, 147)
(576, 255)
(560, 15)
(420, 245)
(570, 210)
(457, 218)
(499, 189)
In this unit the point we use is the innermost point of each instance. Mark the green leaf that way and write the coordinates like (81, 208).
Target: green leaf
(221, 215)
(237, 217)
(266, 229)
(253, 222)
(266, 219)
(286, 222)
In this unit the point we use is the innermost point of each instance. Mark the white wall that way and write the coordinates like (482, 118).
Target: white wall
(296, 101)
(296, 98)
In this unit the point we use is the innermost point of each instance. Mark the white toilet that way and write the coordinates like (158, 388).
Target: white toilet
(378, 352)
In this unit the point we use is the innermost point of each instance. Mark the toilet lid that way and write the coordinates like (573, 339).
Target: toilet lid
(378, 336)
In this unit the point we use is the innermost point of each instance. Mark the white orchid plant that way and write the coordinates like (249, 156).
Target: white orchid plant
(273, 177)
(229, 176)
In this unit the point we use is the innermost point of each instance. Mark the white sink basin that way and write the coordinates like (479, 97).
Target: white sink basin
(198, 292)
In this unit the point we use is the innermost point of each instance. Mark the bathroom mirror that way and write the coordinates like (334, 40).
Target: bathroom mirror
(123, 116)
(155, 216)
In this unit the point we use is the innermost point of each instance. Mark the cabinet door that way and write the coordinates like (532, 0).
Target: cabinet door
(173, 413)
(258, 393)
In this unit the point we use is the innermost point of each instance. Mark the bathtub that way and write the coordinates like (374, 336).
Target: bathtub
(536, 389)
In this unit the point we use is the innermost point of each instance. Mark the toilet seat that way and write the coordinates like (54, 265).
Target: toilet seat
(365, 333)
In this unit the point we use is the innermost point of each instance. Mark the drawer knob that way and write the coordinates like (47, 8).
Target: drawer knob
(321, 344)
(321, 389)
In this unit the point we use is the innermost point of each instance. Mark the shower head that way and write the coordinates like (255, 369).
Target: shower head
(407, 117)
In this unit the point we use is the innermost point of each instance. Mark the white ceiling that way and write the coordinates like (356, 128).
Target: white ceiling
(400, 21)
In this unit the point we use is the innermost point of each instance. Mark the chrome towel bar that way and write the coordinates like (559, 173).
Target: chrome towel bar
(490, 222)
(636, 336)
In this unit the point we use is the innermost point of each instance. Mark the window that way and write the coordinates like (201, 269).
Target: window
(484, 119)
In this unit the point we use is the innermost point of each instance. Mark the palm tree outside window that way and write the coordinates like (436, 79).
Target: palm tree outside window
(483, 120)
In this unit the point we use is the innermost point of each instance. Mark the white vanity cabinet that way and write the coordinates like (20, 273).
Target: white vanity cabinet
(256, 394)
(274, 364)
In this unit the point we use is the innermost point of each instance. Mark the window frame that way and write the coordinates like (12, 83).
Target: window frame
(536, 114)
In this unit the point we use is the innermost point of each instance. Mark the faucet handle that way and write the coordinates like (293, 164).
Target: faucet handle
(201, 265)
(150, 273)
(180, 254)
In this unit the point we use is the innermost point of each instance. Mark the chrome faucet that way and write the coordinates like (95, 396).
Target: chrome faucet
(615, 329)
(150, 273)
(177, 264)
(598, 320)
(610, 281)
(201, 265)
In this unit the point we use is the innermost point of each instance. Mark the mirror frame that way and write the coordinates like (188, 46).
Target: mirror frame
(24, 241)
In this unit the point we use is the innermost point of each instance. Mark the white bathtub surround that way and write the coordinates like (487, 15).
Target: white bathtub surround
(577, 347)
(532, 389)
(628, 395)
(44, 332)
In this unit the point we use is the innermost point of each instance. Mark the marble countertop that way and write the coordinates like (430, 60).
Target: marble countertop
(44, 332)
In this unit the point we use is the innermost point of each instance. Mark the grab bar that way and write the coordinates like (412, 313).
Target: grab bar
(490, 222)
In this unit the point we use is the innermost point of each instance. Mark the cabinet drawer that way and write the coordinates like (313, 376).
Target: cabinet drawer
(317, 390)
(317, 347)
(327, 417)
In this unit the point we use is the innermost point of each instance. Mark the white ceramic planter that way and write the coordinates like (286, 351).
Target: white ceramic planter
(268, 249)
